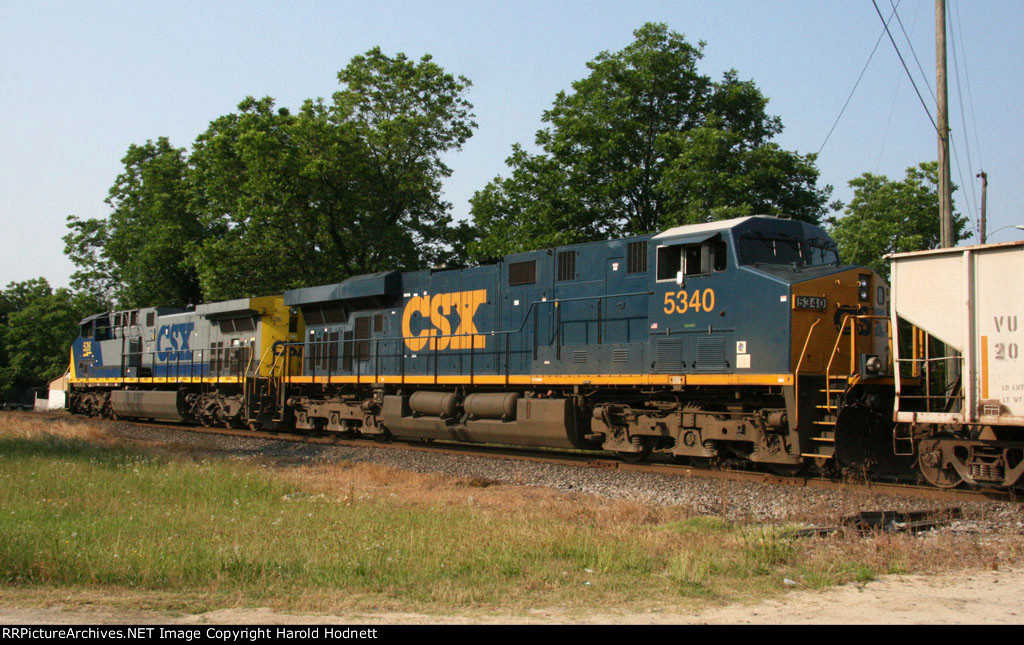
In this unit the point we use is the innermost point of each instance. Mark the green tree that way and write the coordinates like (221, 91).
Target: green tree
(37, 327)
(85, 244)
(406, 115)
(643, 143)
(343, 187)
(888, 216)
(248, 191)
(151, 227)
(138, 255)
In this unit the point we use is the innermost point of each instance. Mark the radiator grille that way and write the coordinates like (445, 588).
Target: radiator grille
(668, 356)
(711, 354)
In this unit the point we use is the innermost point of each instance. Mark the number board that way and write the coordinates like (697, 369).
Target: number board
(810, 302)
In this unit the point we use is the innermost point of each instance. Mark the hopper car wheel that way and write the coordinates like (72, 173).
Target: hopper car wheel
(254, 425)
(940, 475)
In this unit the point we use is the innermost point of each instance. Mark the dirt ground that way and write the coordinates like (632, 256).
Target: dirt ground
(974, 597)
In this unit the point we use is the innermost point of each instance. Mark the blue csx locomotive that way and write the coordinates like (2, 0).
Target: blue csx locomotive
(731, 339)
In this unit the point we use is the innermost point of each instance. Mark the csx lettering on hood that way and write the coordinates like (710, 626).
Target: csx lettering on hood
(436, 327)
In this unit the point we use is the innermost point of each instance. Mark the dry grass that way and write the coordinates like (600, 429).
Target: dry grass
(199, 534)
(22, 425)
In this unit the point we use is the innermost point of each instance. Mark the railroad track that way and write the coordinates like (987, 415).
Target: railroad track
(596, 460)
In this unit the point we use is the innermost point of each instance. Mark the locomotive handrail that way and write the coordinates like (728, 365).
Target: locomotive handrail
(269, 350)
(176, 367)
(432, 345)
(707, 330)
(848, 319)
(796, 374)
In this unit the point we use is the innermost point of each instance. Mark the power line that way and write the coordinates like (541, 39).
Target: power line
(896, 94)
(870, 56)
(959, 172)
(892, 109)
(904, 63)
(916, 60)
(963, 120)
(967, 75)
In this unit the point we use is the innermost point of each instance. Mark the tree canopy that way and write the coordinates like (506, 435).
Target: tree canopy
(138, 255)
(270, 200)
(643, 143)
(343, 187)
(37, 327)
(887, 216)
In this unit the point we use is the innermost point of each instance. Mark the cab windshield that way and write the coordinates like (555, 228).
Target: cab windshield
(757, 247)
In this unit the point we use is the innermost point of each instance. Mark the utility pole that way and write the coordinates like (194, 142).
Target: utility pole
(984, 193)
(945, 195)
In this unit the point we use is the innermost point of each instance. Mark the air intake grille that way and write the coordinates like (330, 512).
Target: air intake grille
(668, 356)
(522, 272)
(566, 266)
(711, 354)
(636, 257)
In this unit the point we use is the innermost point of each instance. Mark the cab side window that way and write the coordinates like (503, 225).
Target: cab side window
(692, 259)
(720, 253)
(669, 262)
(695, 259)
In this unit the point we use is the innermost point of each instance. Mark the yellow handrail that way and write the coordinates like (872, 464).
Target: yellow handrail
(796, 374)
(852, 376)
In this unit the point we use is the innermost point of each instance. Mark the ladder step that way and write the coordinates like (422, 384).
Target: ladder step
(815, 456)
(824, 439)
(825, 423)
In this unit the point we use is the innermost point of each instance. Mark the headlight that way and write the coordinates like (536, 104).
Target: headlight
(873, 365)
(870, 365)
(863, 280)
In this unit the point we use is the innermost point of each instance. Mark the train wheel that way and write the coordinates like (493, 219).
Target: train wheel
(646, 446)
(934, 469)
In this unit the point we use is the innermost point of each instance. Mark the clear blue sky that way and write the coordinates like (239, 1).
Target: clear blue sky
(81, 81)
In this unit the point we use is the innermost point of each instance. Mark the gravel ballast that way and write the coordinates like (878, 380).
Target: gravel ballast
(734, 500)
